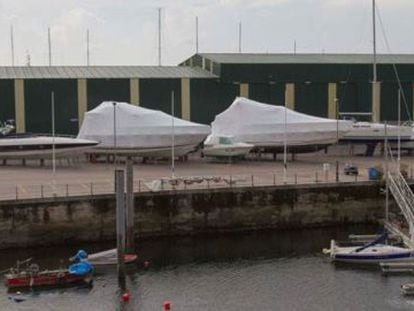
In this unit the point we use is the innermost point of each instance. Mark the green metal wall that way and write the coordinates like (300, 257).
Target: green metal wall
(355, 97)
(312, 98)
(263, 73)
(38, 105)
(210, 97)
(389, 101)
(7, 110)
(100, 90)
(273, 93)
(156, 94)
(354, 84)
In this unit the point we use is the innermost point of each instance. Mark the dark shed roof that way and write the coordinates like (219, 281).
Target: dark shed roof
(251, 58)
(102, 72)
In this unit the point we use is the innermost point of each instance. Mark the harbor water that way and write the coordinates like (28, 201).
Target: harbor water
(240, 272)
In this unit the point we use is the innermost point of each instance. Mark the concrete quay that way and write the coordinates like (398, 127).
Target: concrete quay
(32, 181)
(58, 221)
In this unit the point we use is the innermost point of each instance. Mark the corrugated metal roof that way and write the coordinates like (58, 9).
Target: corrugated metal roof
(247, 58)
(102, 72)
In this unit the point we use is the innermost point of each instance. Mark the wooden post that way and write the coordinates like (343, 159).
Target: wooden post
(120, 221)
(130, 215)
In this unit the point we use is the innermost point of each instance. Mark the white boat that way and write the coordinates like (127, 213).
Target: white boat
(269, 127)
(109, 258)
(6, 128)
(131, 130)
(372, 253)
(225, 146)
(408, 289)
(367, 132)
(40, 147)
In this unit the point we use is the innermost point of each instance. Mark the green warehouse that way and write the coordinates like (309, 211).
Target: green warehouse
(206, 84)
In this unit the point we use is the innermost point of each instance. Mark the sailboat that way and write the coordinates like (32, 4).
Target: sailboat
(372, 133)
(376, 251)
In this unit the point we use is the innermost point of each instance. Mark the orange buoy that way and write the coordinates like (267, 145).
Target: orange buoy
(167, 305)
(125, 297)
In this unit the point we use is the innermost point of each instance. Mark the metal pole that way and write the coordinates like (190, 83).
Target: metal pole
(172, 137)
(399, 128)
(240, 37)
(130, 234)
(337, 119)
(12, 45)
(374, 42)
(87, 48)
(285, 139)
(196, 34)
(337, 172)
(49, 40)
(386, 172)
(115, 152)
(53, 143)
(374, 65)
(159, 36)
(120, 221)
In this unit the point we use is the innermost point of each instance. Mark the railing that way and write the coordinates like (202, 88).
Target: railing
(402, 193)
(58, 189)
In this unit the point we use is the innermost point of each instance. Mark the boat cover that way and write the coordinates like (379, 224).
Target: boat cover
(138, 127)
(252, 122)
(80, 268)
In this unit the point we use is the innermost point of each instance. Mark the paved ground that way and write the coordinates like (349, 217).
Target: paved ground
(86, 178)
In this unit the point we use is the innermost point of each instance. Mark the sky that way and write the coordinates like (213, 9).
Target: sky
(125, 32)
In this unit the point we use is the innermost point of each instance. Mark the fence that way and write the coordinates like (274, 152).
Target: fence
(51, 190)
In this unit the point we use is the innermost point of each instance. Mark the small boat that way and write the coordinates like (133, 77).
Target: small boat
(31, 276)
(60, 277)
(370, 253)
(6, 128)
(40, 147)
(408, 289)
(109, 258)
(225, 147)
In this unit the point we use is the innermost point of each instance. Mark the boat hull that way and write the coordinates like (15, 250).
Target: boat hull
(156, 152)
(41, 147)
(365, 132)
(295, 141)
(45, 278)
(226, 151)
(372, 259)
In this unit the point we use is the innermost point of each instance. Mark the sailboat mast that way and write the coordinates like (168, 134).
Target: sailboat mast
(375, 112)
(159, 36)
(12, 45)
(285, 139)
(399, 128)
(374, 43)
(387, 195)
(172, 137)
(196, 34)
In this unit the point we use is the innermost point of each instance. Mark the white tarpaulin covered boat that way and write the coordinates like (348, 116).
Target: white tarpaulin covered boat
(140, 131)
(267, 127)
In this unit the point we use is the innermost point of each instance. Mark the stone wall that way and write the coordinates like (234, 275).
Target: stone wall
(92, 219)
